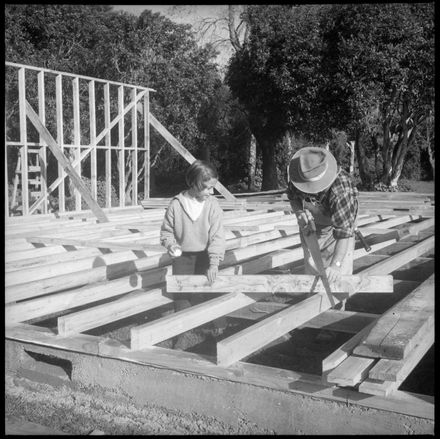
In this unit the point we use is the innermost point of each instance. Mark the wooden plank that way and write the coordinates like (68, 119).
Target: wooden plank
(398, 370)
(343, 352)
(80, 278)
(92, 122)
(146, 109)
(134, 153)
(249, 340)
(66, 267)
(93, 292)
(60, 141)
(401, 258)
(76, 136)
(108, 151)
(132, 303)
(121, 145)
(351, 371)
(42, 156)
(397, 332)
(185, 153)
(279, 283)
(66, 164)
(23, 141)
(97, 243)
(378, 387)
(146, 335)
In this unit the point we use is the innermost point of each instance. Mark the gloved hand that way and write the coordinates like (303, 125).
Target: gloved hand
(174, 250)
(306, 221)
(211, 273)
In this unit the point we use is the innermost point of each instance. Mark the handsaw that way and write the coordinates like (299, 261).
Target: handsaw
(313, 246)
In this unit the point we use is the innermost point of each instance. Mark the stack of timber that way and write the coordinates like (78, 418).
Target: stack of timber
(87, 274)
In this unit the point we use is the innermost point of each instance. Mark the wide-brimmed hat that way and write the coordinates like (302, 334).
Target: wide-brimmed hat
(312, 169)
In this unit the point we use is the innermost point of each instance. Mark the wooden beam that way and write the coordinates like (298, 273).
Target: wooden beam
(401, 258)
(378, 387)
(80, 278)
(185, 153)
(398, 370)
(44, 133)
(149, 334)
(351, 371)
(343, 352)
(41, 306)
(401, 328)
(97, 243)
(280, 283)
(260, 334)
(132, 303)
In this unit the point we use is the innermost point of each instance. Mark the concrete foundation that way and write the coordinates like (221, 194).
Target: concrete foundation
(300, 407)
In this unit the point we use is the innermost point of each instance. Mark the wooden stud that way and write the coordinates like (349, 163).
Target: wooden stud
(60, 141)
(147, 146)
(185, 153)
(65, 163)
(43, 150)
(93, 157)
(149, 334)
(108, 152)
(134, 153)
(23, 141)
(76, 137)
(121, 152)
(132, 303)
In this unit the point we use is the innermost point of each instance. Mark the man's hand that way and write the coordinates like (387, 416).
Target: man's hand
(333, 273)
(211, 273)
(306, 222)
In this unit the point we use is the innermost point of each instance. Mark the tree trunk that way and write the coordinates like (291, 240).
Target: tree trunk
(268, 149)
(350, 144)
(252, 163)
(431, 160)
(362, 162)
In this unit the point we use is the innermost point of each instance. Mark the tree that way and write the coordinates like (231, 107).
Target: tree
(275, 75)
(380, 59)
(149, 51)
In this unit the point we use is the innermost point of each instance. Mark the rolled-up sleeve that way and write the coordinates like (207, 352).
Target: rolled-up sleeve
(343, 207)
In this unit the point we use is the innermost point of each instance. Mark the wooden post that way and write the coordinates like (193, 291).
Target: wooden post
(147, 146)
(43, 150)
(60, 142)
(134, 154)
(108, 151)
(76, 136)
(23, 141)
(93, 163)
(121, 157)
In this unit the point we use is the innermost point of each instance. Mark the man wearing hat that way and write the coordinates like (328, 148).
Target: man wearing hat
(321, 191)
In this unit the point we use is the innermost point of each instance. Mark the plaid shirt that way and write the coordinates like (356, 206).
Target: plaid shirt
(340, 201)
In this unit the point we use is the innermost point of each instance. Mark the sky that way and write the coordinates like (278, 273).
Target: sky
(193, 15)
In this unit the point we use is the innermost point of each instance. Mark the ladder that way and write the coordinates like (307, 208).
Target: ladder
(34, 181)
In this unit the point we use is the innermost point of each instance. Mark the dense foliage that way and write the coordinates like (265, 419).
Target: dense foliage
(311, 71)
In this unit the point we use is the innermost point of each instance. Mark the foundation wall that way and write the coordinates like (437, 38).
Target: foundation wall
(245, 407)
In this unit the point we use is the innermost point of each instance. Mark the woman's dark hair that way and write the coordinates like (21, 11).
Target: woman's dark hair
(199, 172)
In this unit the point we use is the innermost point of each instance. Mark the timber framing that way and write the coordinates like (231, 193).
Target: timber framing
(76, 280)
